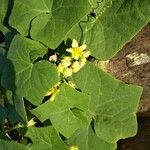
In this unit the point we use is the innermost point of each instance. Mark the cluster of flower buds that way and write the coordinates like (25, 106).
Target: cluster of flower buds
(75, 61)
(72, 63)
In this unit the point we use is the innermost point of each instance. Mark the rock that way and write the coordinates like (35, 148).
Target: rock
(129, 66)
(132, 65)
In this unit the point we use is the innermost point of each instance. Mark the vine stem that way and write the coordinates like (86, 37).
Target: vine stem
(83, 38)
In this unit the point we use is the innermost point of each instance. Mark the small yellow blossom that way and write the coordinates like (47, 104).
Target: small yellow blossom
(82, 61)
(53, 95)
(75, 66)
(66, 61)
(67, 72)
(53, 92)
(74, 148)
(75, 43)
(76, 50)
(60, 68)
(86, 54)
(31, 122)
(75, 61)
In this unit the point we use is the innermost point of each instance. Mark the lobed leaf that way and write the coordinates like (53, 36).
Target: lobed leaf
(3, 10)
(106, 34)
(68, 112)
(11, 145)
(49, 21)
(45, 139)
(32, 79)
(19, 105)
(113, 104)
(86, 139)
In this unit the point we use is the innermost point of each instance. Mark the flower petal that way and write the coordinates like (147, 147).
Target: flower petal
(76, 66)
(74, 43)
(67, 72)
(60, 68)
(73, 148)
(66, 61)
(56, 91)
(82, 61)
(86, 54)
(83, 47)
(69, 50)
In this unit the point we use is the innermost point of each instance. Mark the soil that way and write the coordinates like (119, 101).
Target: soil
(132, 65)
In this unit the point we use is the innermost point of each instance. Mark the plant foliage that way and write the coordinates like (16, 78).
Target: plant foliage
(52, 95)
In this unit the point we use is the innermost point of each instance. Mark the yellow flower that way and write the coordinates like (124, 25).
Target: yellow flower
(60, 68)
(67, 72)
(66, 61)
(86, 54)
(76, 61)
(31, 122)
(74, 148)
(75, 44)
(52, 98)
(76, 66)
(53, 92)
(82, 61)
(76, 50)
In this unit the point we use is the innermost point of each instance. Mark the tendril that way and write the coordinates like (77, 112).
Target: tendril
(94, 15)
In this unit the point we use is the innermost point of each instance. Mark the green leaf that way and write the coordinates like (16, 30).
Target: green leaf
(49, 20)
(2, 60)
(113, 103)
(86, 139)
(99, 5)
(27, 10)
(3, 136)
(3, 10)
(32, 80)
(13, 116)
(20, 108)
(68, 112)
(93, 2)
(8, 76)
(16, 109)
(10, 145)
(109, 32)
(3, 115)
(2, 50)
(45, 139)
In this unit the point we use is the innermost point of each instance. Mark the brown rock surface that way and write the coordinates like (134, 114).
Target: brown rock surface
(123, 68)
